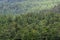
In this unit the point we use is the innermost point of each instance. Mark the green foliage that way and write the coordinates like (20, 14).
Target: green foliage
(30, 26)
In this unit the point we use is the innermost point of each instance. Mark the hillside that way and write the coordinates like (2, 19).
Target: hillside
(30, 20)
(30, 26)
(24, 6)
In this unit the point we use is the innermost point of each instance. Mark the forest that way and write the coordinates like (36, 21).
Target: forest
(30, 26)
(29, 19)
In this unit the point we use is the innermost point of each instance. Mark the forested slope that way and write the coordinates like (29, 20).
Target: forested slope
(34, 20)
(30, 26)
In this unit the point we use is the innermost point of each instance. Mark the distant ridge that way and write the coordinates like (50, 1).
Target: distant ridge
(24, 6)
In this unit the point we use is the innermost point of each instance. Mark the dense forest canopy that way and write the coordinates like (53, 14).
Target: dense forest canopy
(29, 19)
(30, 26)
